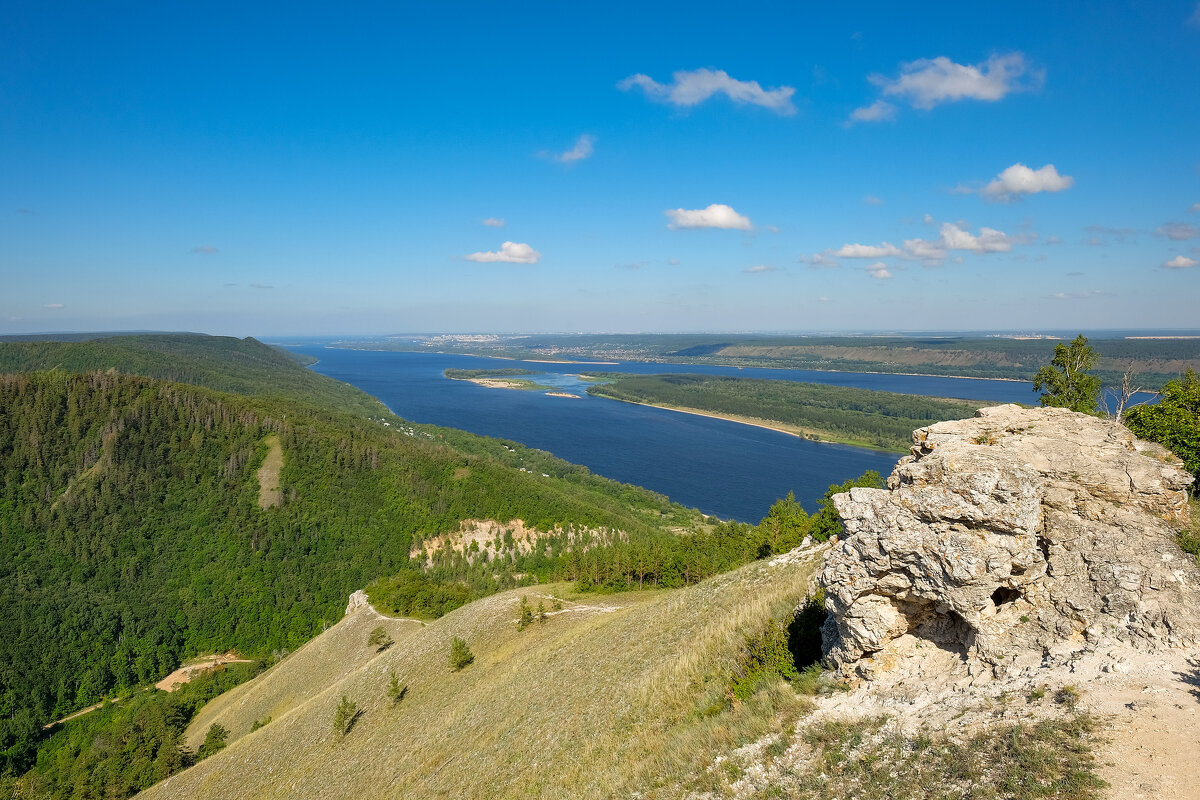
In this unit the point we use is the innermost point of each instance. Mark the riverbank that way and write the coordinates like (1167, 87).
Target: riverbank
(811, 434)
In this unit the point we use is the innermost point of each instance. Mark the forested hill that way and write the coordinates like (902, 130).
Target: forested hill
(133, 537)
(244, 366)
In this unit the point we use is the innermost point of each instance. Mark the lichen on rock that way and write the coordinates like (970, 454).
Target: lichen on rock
(1018, 536)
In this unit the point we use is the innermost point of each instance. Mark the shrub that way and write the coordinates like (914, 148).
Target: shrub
(380, 640)
(396, 690)
(763, 655)
(346, 715)
(460, 654)
(260, 723)
(1174, 421)
(214, 740)
(526, 615)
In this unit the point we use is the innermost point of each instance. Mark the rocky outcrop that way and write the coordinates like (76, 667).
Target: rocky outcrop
(358, 599)
(1019, 535)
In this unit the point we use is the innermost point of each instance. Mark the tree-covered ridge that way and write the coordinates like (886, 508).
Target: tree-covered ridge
(468, 374)
(243, 366)
(132, 537)
(854, 416)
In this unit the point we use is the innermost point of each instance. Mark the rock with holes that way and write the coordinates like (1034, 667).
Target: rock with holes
(1020, 532)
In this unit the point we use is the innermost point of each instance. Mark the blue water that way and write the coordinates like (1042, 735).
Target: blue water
(724, 468)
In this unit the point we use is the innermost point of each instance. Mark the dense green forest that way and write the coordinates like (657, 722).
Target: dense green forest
(243, 366)
(852, 416)
(133, 539)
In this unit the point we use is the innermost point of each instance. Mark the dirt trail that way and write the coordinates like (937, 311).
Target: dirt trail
(1151, 721)
(189, 671)
(269, 493)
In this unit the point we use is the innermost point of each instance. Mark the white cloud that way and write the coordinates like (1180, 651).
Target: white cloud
(759, 269)
(1180, 262)
(494, 222)
(951, 236)
(674, 262)
(54, 305)
(1053, 240)
(928, 82)
(715, 216)
(819, 260)
(878, 270)
(584, 146)
(872, 200)
(1178, 231)
(205, 250)
(509, 252)
(1020, 180)
(1084, 295)
(876, 112)
(693, 88)
(1195, 207)
(867, 250)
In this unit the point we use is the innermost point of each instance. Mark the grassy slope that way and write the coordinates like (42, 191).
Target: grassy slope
(589, 703)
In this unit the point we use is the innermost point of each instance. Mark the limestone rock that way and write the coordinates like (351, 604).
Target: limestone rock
(1020, 531)
(357, 600)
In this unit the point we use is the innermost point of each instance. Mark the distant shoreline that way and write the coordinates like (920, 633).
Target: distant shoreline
(771, 425)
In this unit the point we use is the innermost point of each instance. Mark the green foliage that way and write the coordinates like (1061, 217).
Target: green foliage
(345, 716)
(124, 747)
(460, 654)
(396, 690)
(379, 639)
(765, 654)
(1066, 380)
(467, 374)
(260, 723)
(826, 523)
(858, 416)
(525, 616)
(1174, 421)
(214, 740)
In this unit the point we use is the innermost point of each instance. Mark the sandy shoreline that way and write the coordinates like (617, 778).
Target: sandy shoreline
(778, 427)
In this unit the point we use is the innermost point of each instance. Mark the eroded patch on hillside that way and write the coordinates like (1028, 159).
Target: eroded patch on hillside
(485, 539)
(269, 493)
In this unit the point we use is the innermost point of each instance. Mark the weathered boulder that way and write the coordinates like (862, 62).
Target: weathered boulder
(1018, 532)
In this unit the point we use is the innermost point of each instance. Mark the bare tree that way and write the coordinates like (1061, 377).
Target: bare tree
(1121, 396)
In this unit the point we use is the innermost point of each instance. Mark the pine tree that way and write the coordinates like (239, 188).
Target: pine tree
(460, 654)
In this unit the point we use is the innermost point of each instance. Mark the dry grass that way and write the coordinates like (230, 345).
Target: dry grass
(269, 494)
(615, 695)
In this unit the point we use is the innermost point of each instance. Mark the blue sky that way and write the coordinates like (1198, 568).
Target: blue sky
(758, 167)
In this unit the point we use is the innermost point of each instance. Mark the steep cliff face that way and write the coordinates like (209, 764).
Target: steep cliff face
(1019, 538)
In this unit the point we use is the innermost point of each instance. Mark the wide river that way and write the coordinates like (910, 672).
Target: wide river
(732, 470)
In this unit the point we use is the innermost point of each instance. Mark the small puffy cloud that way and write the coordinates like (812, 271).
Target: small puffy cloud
(771, 228)
(715, 216)
(205, 250)
(1178, 231)
(989, 240)
(1053, 240)
(872, 200)
(759, 269)
(585, 145)
(867, 250)
(927, 82)
(1194, 208)
(493, 222)
(878, 270)
(876, 112)
(1084, 295)
(509, 252)
(57, 306)
(1019, 180)
(1181, 262)
(819, 260)
(674, 262)
(694, 87)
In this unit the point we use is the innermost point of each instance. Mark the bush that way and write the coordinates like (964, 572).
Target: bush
(460, 654)
(764, 654)
(396, 690)
(526, 617)
(214, 740)
(380, 640)
(1173, 422)
(346, 715)
(260, 723)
